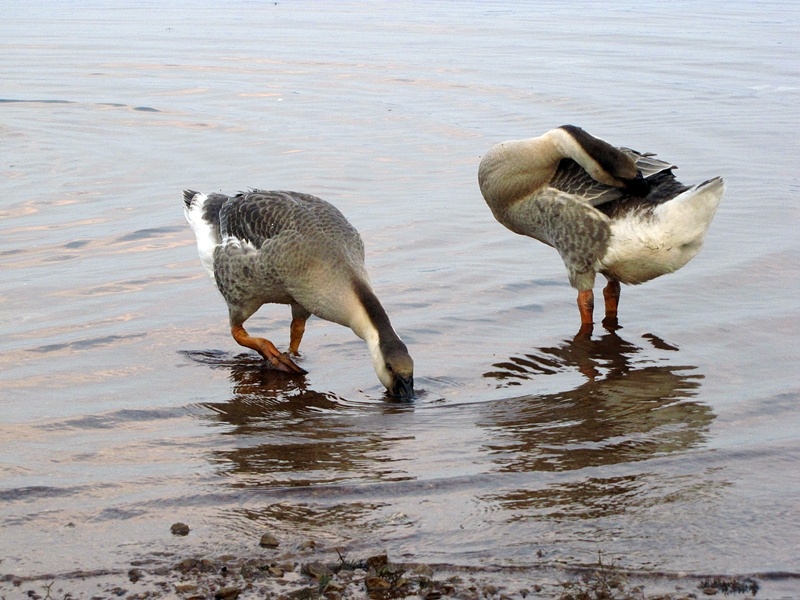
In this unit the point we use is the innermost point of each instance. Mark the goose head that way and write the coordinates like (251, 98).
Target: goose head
(395, 368)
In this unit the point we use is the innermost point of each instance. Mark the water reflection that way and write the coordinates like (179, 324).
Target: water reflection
(627, 408)
(289, 435)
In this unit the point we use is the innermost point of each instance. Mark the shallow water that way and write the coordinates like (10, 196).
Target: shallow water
(671, 445)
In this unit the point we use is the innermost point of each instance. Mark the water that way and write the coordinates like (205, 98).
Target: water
(126, 406)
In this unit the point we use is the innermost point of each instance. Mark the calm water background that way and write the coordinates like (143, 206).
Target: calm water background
(672, 445)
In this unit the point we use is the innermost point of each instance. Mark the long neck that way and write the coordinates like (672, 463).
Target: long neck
(604, 162)
(372, 325)
(373, 321)
(512, 170)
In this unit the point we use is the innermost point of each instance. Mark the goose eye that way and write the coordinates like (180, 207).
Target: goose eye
(389, 367)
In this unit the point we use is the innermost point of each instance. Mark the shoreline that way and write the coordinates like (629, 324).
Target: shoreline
(330, 574)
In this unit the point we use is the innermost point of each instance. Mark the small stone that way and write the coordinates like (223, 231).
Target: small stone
(307, 545)
(185, 588)
(179, 529)
(269, 541)
(333, 587)
(187, 564)
(377, 584)
(422, 571)
(316, 570)
(134, 575)
(208, 565)
(227, 593)
(489, 590)
(276, 572)
(709, 591)
(302, 594)
(376, 562)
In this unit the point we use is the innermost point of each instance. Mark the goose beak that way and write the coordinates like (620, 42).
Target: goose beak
(403, 388)
(638, 186)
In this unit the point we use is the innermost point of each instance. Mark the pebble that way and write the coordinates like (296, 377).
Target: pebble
(187, 564)
(275, 572)
(316, 570)
(377, 584)
(422, 571)
(269, 541)
(333, 587)
(179, 529)
(307, 545)
(208, 564)
(134, 575)
(376, 562)
(227, 593)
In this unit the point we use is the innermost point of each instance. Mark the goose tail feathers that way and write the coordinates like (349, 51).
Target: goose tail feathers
(188, 197)
(689, 214)
(207, 233)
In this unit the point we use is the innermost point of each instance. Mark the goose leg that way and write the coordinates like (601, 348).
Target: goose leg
(296, 331)
(298, 327)
(586, 306)
(266, 349)
(611, 295)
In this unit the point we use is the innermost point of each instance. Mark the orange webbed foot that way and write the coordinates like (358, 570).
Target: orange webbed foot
(282, 362)
(267, 349)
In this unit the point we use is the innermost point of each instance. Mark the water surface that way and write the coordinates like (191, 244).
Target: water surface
(670, 445)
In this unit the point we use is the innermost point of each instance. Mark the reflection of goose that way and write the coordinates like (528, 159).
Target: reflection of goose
(626, 409)
(281, 434)
(604, 209)
(296, 249)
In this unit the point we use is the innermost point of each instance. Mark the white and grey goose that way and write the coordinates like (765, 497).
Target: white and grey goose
(605, 209)
(290, 248)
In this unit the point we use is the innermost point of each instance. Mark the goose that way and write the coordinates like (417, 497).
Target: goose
(607, 210)
(291, 248)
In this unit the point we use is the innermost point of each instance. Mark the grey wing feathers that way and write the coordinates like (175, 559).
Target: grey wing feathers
(261, 215)
(572, 179)
(647, 162)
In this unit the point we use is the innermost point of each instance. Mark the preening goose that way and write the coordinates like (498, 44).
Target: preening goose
(605, 210)
(290, 248)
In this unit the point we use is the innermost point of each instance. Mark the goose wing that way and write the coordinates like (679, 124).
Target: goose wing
(258, 216)
(572, 179)
(647, 162)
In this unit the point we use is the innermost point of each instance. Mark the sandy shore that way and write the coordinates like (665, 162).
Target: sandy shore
(309, 572)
